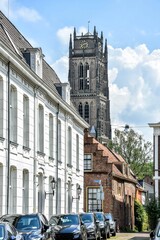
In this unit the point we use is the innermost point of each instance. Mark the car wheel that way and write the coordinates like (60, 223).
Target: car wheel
(99, 237)
(108, 234)
(95, 237)
(105, 235)
(114, 234)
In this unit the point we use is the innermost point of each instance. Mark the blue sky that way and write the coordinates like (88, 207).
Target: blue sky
(132, 29)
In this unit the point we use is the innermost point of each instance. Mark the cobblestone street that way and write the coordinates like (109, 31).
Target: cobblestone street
(131, 236)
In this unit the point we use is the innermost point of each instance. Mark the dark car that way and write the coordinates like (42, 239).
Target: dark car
(92, 225)
(112, 223)
(30, 226)
(8, 232)
(103, 224)
(155, 234)
(69, 227)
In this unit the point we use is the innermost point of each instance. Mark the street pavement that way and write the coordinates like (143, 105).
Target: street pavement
(131, 236)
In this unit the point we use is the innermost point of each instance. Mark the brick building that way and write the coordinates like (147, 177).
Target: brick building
(109, 184)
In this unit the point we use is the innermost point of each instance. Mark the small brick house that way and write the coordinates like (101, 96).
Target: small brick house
(109, 184)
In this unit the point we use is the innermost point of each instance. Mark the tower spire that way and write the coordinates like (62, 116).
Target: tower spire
(88, 26)
(70, 45)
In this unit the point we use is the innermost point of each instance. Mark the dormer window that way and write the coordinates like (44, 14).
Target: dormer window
(34, 58)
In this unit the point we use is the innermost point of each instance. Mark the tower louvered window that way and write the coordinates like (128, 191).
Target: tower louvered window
(87, 83)
(80, 109)
(86, 112)
(81, 77)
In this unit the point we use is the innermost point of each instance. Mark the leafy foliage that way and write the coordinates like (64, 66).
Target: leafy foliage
(139, 215)
(153, 211)
(135, 151)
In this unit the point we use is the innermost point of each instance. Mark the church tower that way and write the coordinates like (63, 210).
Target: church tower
(88, 77)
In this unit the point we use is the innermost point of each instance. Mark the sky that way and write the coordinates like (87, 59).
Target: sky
(132, 30)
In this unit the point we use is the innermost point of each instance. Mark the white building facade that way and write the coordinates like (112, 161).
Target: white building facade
(41, 134)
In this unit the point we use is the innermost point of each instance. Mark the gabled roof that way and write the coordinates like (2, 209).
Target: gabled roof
(112, 157)
(15, 41)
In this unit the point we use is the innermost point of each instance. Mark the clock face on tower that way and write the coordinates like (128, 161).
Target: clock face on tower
(83, 44)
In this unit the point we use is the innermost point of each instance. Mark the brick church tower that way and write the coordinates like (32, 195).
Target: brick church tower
(88, 77)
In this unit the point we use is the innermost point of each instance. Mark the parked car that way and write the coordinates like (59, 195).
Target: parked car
(112, 223)
(69, 226)
(155, 234)
(8, 232)
(92, 226)
(30, 226)
(103, 224)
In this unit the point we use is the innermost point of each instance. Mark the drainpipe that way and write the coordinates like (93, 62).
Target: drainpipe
(57, 156)
(8, 143)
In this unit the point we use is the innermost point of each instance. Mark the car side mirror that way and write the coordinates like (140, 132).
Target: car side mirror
(151, 234)
(97, 221)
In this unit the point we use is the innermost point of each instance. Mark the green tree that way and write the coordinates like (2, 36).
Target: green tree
(135, 151)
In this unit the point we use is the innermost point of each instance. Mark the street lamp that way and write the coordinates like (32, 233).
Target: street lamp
(52, 185)
(79, 190)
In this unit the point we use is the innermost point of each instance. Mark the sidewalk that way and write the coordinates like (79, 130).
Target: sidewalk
(131, 236)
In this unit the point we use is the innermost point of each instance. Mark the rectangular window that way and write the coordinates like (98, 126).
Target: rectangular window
(77, 152)
(25, 121)
(87, 162)
(50, 135)
(41, 129)
(13, 114)
(1, 107)
(119, 189)
(94, 204)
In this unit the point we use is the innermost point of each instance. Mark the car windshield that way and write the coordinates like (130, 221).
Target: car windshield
(27, 223)
(99, 216)
(87, 218)
(108, 216)
(68, 220)
(1, 232)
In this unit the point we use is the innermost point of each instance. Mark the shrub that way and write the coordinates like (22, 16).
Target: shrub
(139, 215)
(153, 211)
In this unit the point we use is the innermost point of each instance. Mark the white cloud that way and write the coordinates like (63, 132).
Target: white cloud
(61, 68)
(28, 14)
(63, 34)
(135, 72)
(112, 74)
